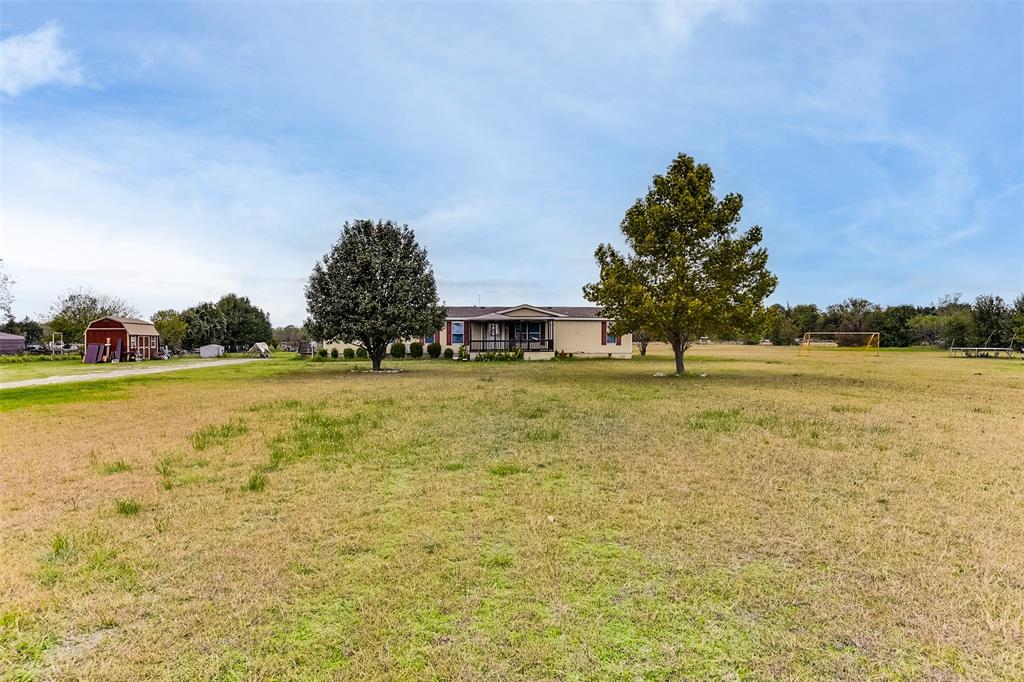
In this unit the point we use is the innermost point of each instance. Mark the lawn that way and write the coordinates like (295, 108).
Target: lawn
(767, 516)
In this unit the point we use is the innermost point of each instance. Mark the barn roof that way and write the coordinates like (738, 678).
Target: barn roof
(11, 337)
(132, 325)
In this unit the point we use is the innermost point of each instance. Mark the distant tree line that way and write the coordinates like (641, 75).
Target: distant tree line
(989, 320)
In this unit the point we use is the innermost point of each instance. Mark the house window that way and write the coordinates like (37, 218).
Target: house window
(610, 339)
(492, 331)
(458, 333)
(133, 341)
(429, 339)
(528, 331)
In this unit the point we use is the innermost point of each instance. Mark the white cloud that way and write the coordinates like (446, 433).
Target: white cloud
(33, 59)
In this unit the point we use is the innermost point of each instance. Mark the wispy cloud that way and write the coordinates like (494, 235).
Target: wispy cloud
(681, 20)
(31, 60)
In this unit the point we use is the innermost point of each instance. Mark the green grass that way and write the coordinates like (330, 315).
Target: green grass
(834, 517)
(116, 467)
(257, 482)
(129, 507)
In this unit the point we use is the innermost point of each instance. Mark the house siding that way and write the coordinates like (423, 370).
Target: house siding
(585, 338)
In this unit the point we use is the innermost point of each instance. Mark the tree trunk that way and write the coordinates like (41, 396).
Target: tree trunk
(375, 360)
(643, 348)
(678, 349)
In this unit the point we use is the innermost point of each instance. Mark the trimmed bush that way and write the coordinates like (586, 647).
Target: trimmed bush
(434, 350)
(361, 353)
(322, 352)
(416, 349)
(334, 353)
(349, 353)
(398, 350)
(449, 354)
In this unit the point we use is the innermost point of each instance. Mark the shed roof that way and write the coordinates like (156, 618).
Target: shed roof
(11, 337)
(132, 325)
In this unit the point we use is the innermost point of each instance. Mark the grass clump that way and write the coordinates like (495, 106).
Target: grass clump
(257, 482)
(507, 469)
(116, 467)
(129, 507)
(216, 434)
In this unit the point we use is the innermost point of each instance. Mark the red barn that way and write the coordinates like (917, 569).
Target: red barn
(120, 338)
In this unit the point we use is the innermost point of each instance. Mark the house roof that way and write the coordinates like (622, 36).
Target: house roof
(132, 325)
(497, 312)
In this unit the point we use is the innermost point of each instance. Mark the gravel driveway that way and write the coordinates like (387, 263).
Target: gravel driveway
(119, 373)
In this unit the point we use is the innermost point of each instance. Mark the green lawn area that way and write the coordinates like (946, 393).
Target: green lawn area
(843, 516)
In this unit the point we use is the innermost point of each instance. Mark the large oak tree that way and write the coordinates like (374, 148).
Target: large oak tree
(374, 285)
(688, 273)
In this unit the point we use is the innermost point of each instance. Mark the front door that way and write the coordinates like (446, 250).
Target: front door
(143, 350)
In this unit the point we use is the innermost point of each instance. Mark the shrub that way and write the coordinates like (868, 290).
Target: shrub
(398, 350)
(449, 354)
(334, 353)
(361, 353)
(349, 353)
(416, 349)
(322, 352)
(501, 356)
(434, 350)
(464, 352)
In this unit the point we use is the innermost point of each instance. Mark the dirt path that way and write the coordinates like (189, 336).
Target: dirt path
(119, 373)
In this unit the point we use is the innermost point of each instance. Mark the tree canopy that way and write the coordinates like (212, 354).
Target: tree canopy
(688, 273)
(244, 323)
(205, 323)
(72, 312)
(374, 285)
(171, 326)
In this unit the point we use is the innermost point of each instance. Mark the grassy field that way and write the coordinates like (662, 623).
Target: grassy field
(767, 516)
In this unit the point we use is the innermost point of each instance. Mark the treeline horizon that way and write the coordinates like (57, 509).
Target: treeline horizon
(987, 320)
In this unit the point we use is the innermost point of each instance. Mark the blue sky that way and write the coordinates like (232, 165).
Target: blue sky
(170, 153)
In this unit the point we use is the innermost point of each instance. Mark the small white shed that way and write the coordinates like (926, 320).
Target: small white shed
(211, 350)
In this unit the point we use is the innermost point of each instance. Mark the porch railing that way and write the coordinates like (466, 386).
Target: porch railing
(528, 346)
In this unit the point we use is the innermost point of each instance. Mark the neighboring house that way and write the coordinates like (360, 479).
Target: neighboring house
(121, 338)
(541, 331)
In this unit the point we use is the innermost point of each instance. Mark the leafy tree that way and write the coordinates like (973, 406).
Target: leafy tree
(781, 328)
(172, 327)
(893, 323)
(245, 324)
(204, 323)
(1017, 321)
(687, 273)
(641, 339)
(374, 285)
(806, 318)
(72, 312)
(990, 316)
(6, 298)
(928, 329)
(290, 334)
(30, 329)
